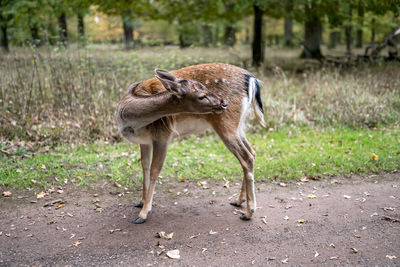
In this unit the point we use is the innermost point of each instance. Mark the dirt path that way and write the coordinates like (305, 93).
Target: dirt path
(343, 225)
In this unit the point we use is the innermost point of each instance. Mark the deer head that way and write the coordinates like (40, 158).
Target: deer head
(193, 95)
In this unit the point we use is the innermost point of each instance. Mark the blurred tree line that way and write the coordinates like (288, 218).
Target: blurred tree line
(206, 22)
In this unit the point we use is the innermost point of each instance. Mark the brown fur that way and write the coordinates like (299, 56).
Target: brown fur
(223, 82)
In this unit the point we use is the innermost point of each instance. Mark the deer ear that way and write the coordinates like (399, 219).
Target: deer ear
(170, 82)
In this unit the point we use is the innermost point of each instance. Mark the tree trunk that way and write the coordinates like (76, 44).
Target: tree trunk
(332, 39)
(207, 35)
(247, 38)
(288, 36)
(35, 35)
(128, 32)
(288, 26)
(230, 34)
(277, 39)
(81, 29)
(359, 36)
(215, 34)
(312, 36)
(62, 22)
(373, 31)
(258, 47)
(348, 31)
(4, 38)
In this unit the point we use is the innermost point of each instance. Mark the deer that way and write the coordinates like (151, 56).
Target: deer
(189, 101)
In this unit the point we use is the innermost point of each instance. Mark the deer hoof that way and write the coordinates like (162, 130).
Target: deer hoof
(138, 204)
(234, 203)
(138, 220)
(244, 218)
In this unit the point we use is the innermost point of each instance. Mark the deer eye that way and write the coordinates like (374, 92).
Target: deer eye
(202, 97)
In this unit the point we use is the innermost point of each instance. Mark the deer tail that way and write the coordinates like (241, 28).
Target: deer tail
(255, 98)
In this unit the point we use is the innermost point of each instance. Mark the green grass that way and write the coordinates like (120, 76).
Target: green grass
(290, 153)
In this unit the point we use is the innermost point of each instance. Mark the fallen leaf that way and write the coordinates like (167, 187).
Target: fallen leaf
(390, 219)
(212, 232)
(40, 195)
(77, 243)
(264, 220)
(164, 235)
(59, 206)
(354, 250)
(181, 179)
(388, 209)
(6, 194)
(391, 257)
(304, 180)
(226, 185)
(312, 177)
(311, 196)
(173, 254)
(194, 236)
(374, 156)
(301, 221)
(53, 202)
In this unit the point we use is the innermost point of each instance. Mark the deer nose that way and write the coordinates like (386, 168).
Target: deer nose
(223, 104)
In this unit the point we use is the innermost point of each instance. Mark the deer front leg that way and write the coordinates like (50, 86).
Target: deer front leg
(159, 153)
(145, 157)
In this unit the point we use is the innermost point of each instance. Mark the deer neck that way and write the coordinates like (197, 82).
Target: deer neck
(154, 106)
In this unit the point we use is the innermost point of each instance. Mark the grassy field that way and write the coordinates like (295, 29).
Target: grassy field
(57, 121)
(288, 153)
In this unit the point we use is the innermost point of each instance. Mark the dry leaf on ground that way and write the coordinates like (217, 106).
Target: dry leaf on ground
(354, 250)
(391, 257)
(374, 156)
(173, 254)
(77, 243)
(7, 194)
(59, 206)
(212, 232)
(40, 195)
(164, 235)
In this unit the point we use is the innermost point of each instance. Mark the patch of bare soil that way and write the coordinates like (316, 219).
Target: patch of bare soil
(333, 222)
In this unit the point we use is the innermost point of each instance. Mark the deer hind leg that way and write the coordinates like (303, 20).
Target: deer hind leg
(242, 196)
(145, 158)
(235, 144)
(159, 153)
